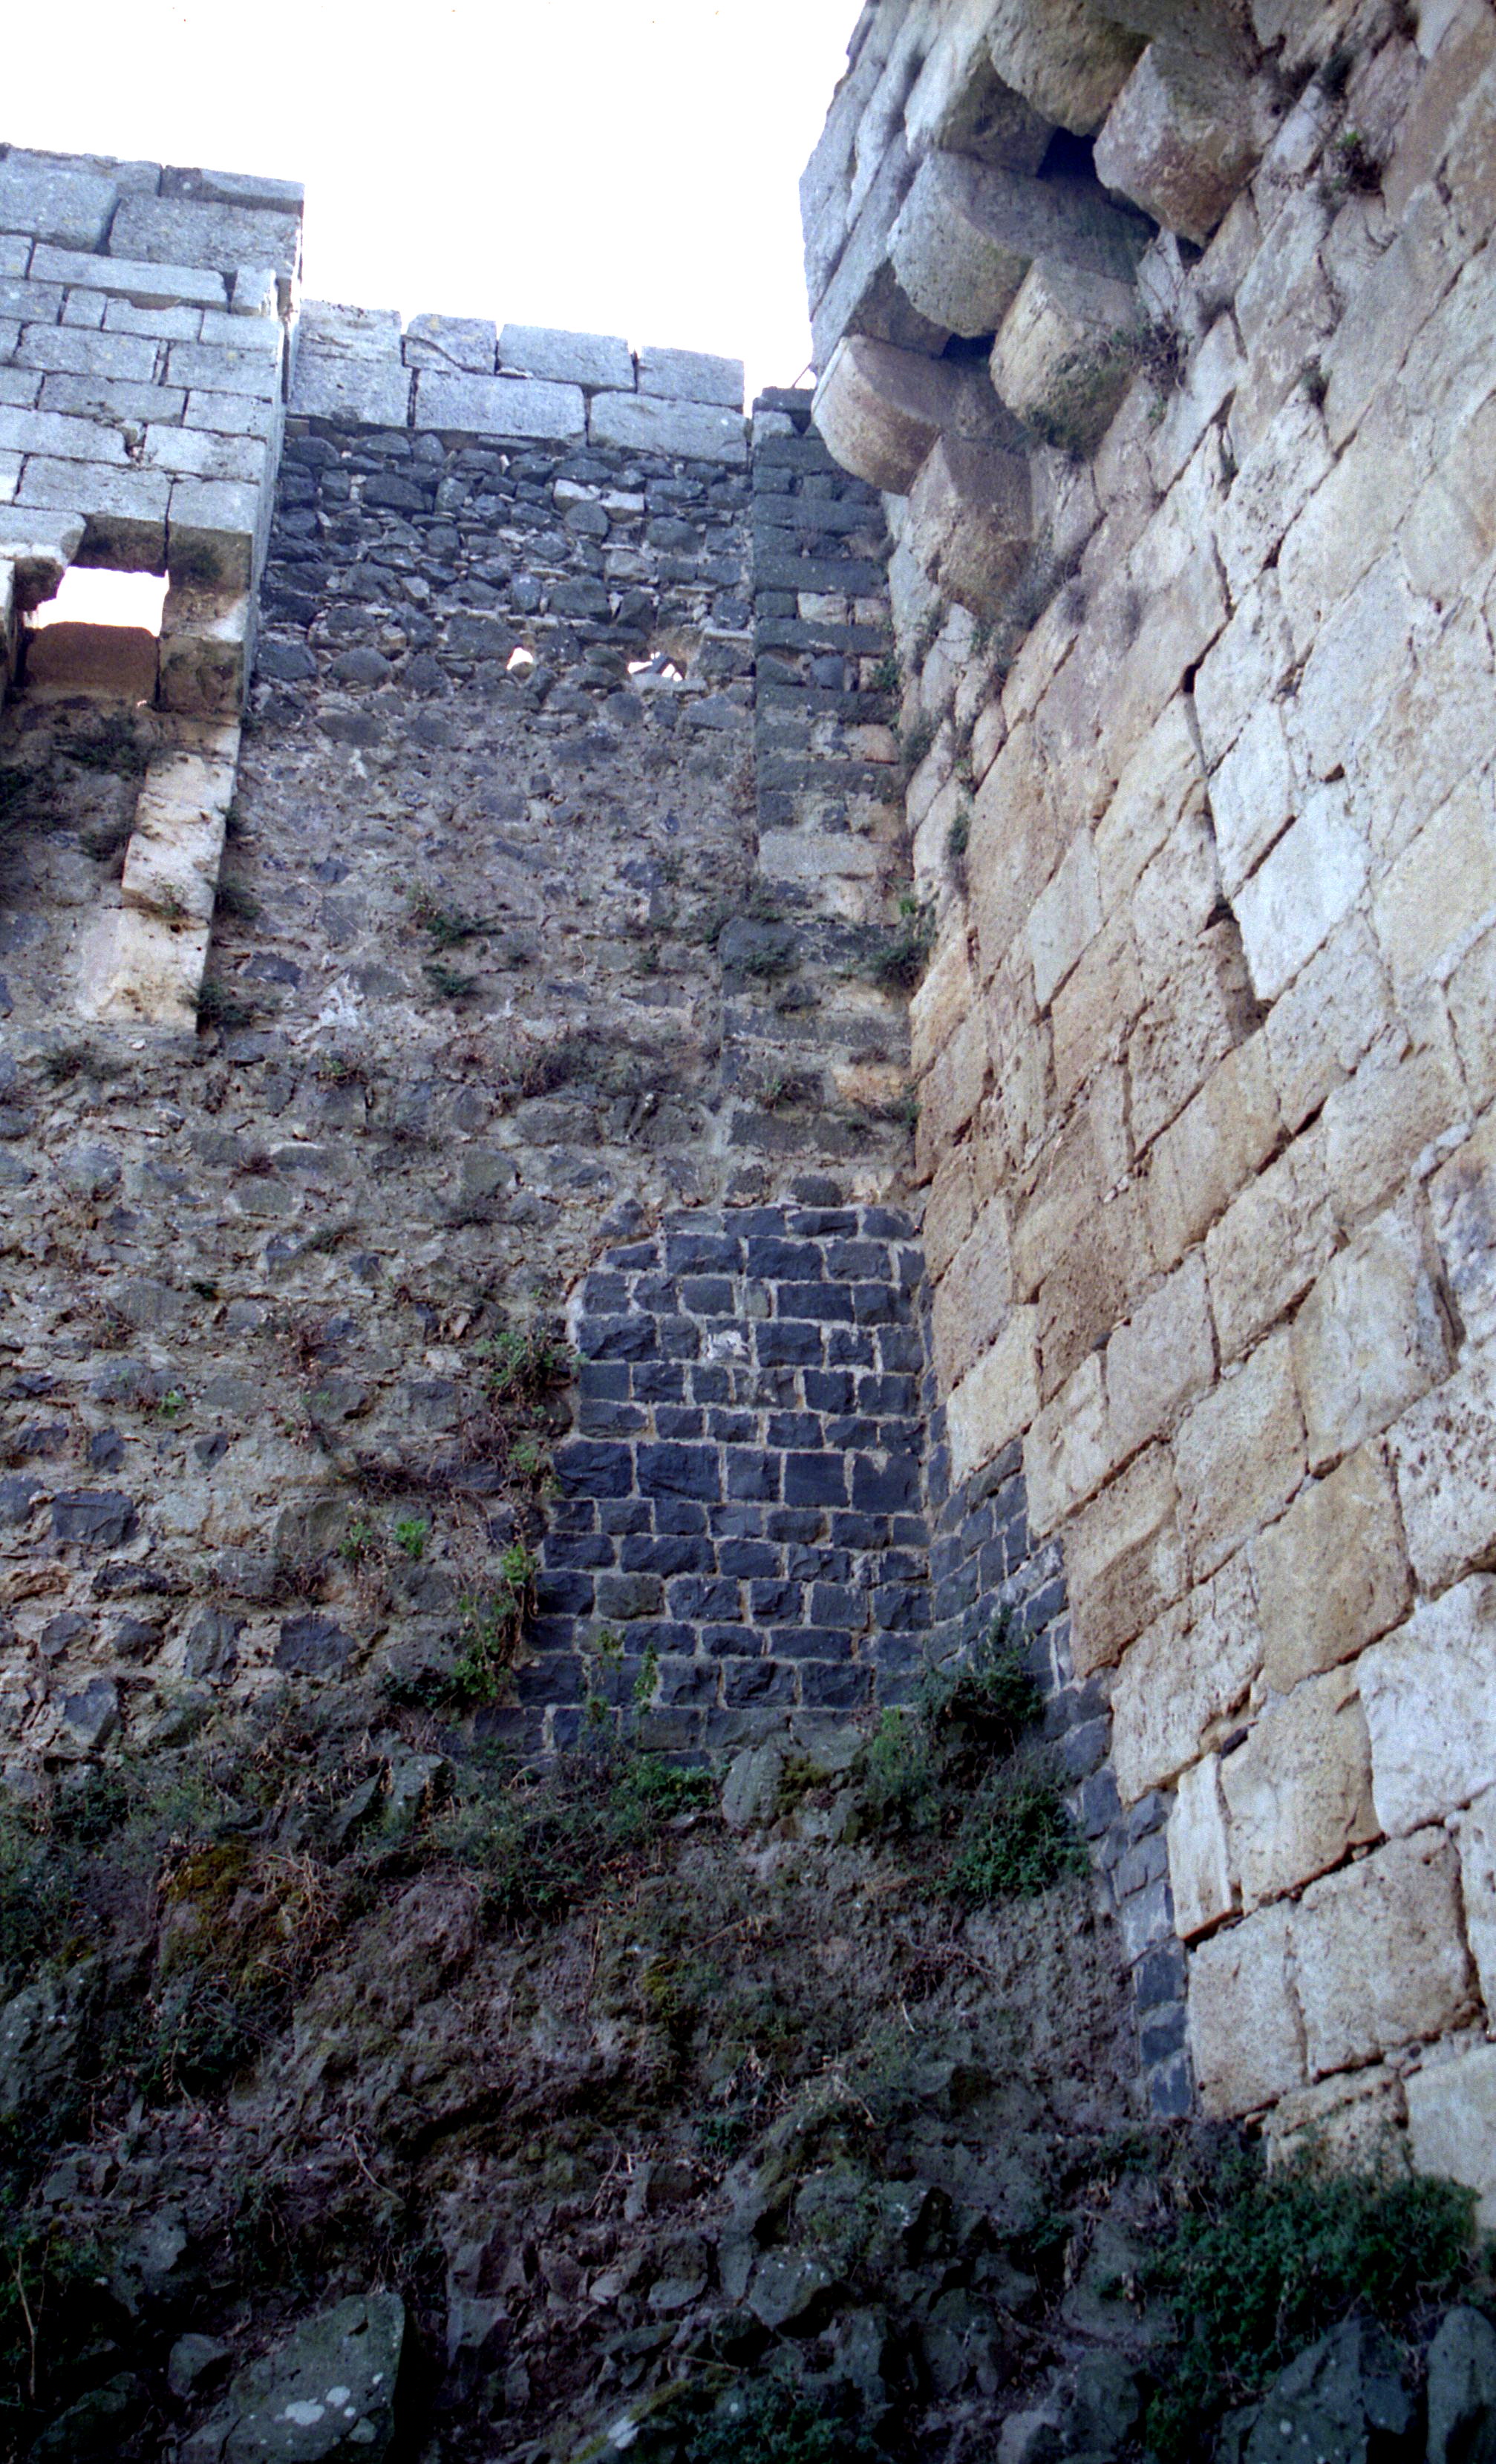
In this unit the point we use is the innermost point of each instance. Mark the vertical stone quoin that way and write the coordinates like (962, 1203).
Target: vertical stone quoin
(1201, 807)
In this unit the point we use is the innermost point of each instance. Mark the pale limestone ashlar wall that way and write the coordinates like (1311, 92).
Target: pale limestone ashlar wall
(1205, 1058)
(143, 314)
(142, 330)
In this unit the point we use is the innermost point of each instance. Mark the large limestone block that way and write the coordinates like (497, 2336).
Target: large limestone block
(1371, 1337)
(352, 389)
(1060, 360)
(1124, 1561)
(1404, 1095)
(1452, 2124)
(1269, 1245)
(249, 188)
(1333, 1573)
(691, 376)
(38, 547)
(179, 231)
(1180, 1680)
(1067, 1452)
(123, 511)
(958, 102)
(70, 208)
(518, 407)
(1180, 139)
(1323, 1023)
(1162, 1358)
(1380, 1953)
(1441, 890)
(942, 1000)
(1445, 1465)
(1066, 917)
(879, 410)
(1214, 1147)
(998, 1398)
(217, 531)
(176, 846)
(651, 424)
(207, 651)
(1204, 1008)
(1246, 2032)
(1200, 1851)
(1476, 1831)
(1312, 877)
(863, 296)
(1069, 58)
(143, 285)
(1239, 1454)
(1430, 1695)
(467, 345)
(967, 233)
(598, 361)
(331, 327)
(149, 971)
(1253, 794)
(971, 523)
(1463, 1202)
(1299, 1791)
(951, 1088)
(973, 1297)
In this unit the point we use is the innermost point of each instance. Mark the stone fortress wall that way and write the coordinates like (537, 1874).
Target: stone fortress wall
(1168, 333)
(493, 889)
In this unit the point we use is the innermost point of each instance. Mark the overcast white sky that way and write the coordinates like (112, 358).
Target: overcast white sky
(621, 165)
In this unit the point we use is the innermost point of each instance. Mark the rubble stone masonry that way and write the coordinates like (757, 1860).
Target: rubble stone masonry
(494, 897)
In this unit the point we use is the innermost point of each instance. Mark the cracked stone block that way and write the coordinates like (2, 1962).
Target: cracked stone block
(463, 345)
(179, 231)
(246, 368)
(352, 388)
(971, 521)
(650, 424)
(691, 376)
(144, 971)
(143, 285)
(863, 295)
(1061, 362)
(515, 407)
(124, 512)
(52, 432)
(1246, 2032)
(330, 326)
(206, 653)
(216, 530)
(959, 104)
(879, 410)
(1070, 60)
(593, 361)
(176, 847)
(39, 547)
(253, 291)
(968, 233)
(233, 189)
(1452, 2124)
(199, 453)
(1179, 139)
(70, 208)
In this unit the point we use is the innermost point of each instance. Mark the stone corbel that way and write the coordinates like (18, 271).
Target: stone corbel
(1183, 137)
(970, 522)
(879, 410)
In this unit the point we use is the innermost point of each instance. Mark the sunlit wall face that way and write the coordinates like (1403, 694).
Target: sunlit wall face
(626, 167)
